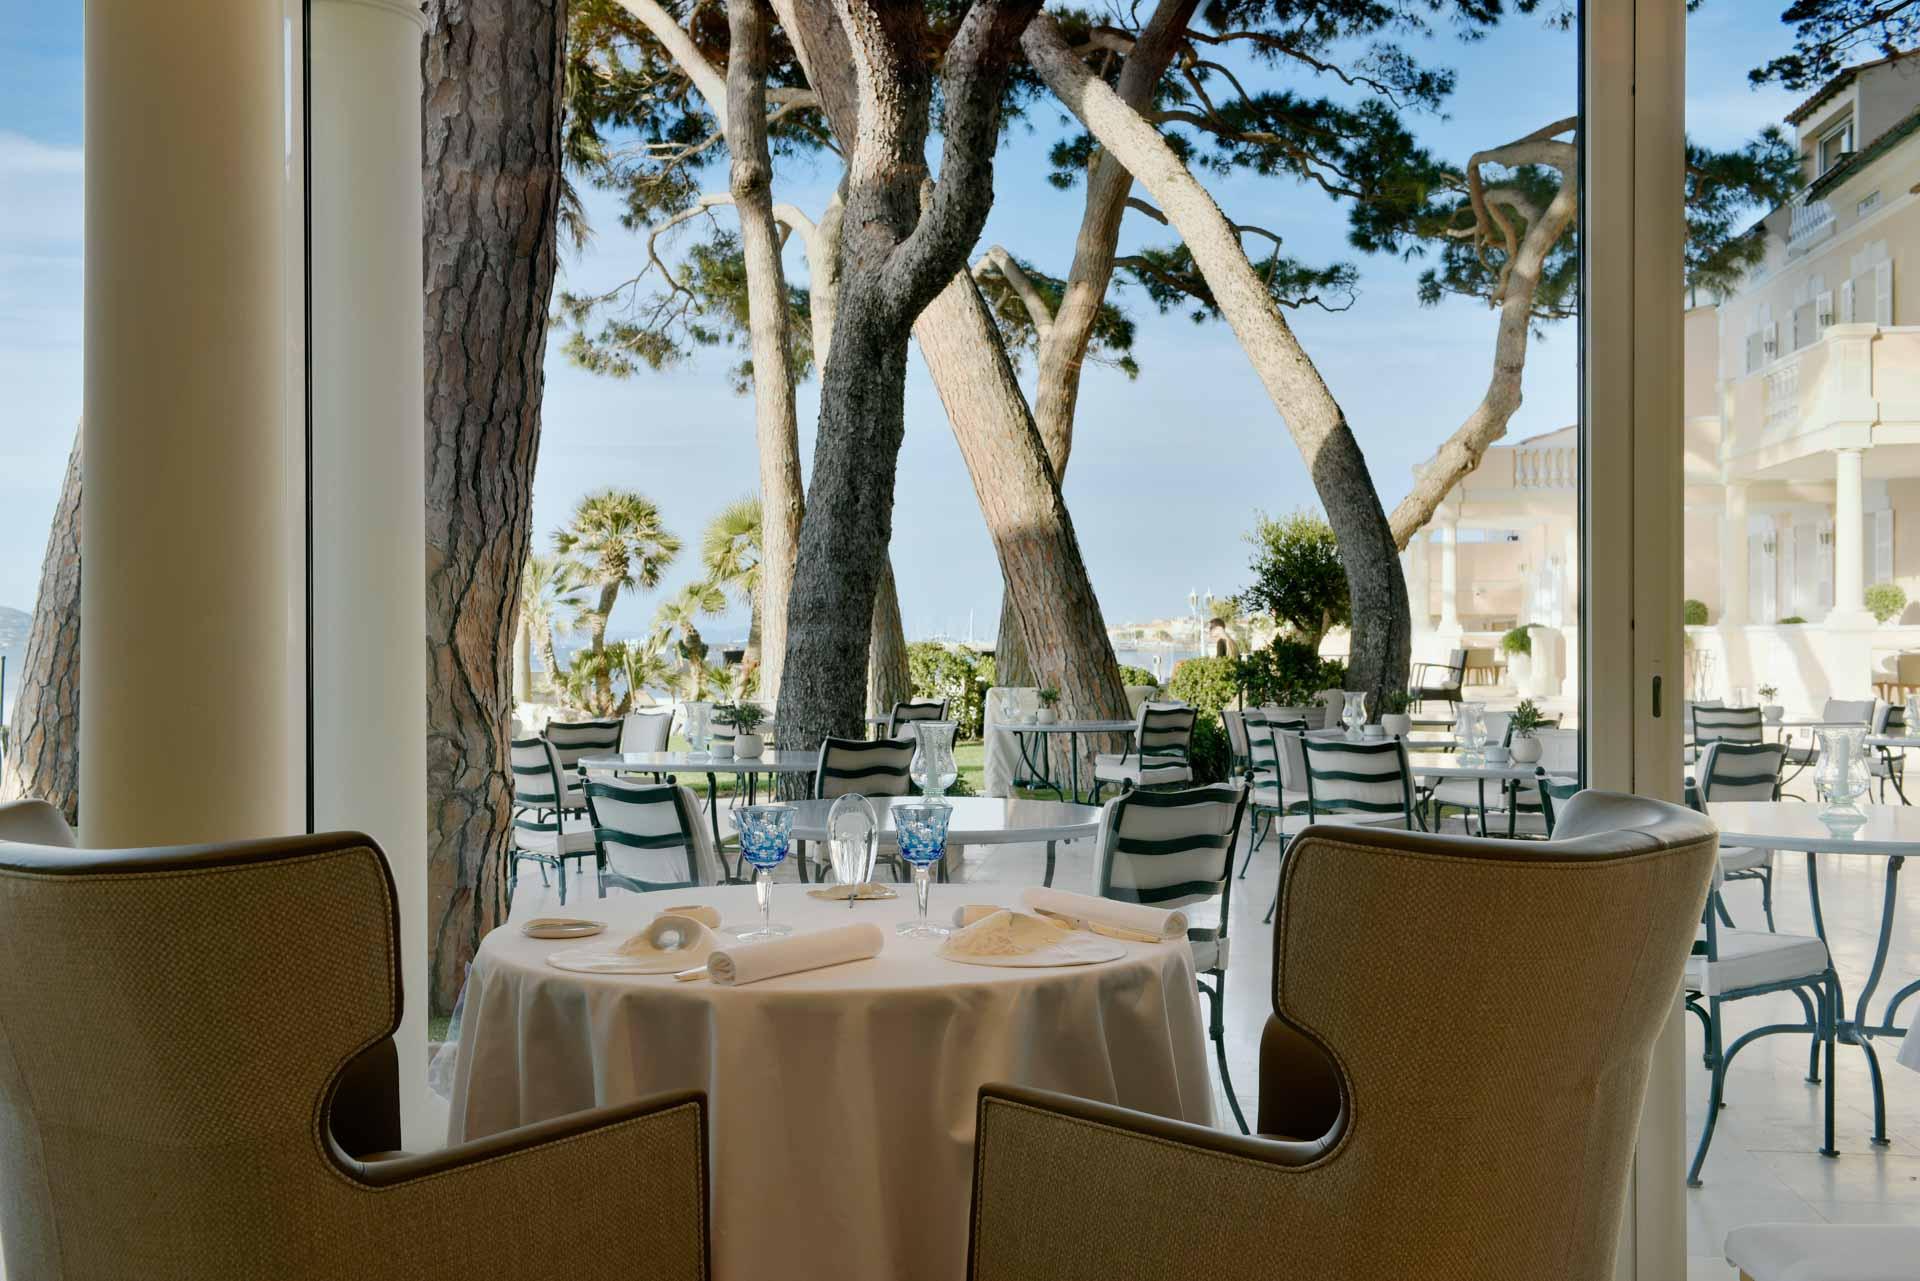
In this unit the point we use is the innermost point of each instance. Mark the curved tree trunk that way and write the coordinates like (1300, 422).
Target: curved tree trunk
(491, 119)
(1020, 498)
(781, 504)
(900, 246)
(889, 679)
(43, 743)
(1382, 628)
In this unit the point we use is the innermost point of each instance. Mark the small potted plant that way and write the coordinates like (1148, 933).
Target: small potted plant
(746, 719)
(1396, 719)
(1049, 701)
(1770, 709)
(1524, 746)
(720, 745)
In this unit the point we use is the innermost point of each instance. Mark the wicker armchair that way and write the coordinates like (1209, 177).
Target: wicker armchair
(197, 1081)
(1418, 1119)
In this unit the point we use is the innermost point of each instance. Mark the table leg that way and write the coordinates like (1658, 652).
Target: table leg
(1048, 879)
(1073, 762)
(713, 816)
(1513, 809)
(1037, 775)
(1853, 1031)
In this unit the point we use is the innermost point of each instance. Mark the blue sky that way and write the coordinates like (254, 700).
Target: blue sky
(1167, 469)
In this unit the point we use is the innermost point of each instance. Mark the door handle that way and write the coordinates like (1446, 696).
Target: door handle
(1656, 698)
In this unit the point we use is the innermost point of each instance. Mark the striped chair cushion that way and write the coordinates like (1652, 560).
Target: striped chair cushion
(1728, 724)
(877, 768)
(652, 835)
(904, 714)
(1365, 778)
(1739, 771)
(646, 731)
(537, 775)
(575, 739)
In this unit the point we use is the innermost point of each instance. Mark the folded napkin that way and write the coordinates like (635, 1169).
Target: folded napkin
(707, 916)
(1004, 932)
(670, 942)
(751, 962)
(1106, 916)
(965, 916)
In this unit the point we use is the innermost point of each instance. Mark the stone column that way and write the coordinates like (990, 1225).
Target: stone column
(191, 724)
(1735, 575)
(1849, 560)
(1449, 575)
(369, 467)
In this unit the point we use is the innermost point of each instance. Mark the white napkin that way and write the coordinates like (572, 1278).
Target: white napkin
(1091, 911)
(707, 916)
(670, 942)
(965, 916)
(751, 962)
(1004, 933)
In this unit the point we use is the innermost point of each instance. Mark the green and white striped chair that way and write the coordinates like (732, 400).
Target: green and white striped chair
(1159, 754)
(1174, 850)
(1726, 724)
(1889, 764)
(1740, 772)
(903, 715)
(879, 767)
(1366, 784)
(1277, 780)
(573, 741)
(648, 836)
(546, 828)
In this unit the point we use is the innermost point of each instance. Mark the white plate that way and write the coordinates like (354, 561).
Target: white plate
(561, 927)
(587, 960)
(1074, 949)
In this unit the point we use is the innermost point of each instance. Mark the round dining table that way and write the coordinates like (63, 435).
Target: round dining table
(1889, 833)
(841, 1100)
(769, 762)
(1040, 773)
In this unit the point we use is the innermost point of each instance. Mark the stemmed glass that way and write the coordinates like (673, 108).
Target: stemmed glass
(1471, 728)
(765, 832)
(923, 842)
(933, 768)
(853, 838)
(698, 722)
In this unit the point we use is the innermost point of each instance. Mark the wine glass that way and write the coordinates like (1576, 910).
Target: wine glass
(933, 768)
(765, 832)
(853, 837)
(923, 842)
(1355, 712)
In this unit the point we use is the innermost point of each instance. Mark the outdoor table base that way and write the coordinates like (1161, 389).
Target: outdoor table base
(1042, 774)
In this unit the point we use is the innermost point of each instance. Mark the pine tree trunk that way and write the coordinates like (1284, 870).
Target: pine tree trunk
(889, 679)
(491, 119)
(1382, 627)
(900, 246)
(43, 743)
(781, 504)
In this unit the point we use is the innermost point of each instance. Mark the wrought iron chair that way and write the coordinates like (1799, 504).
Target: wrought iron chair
(1277, 786)
(877, 767)
(1440, 681)
(1889, 764)
(1732, 965)
(573, 741)
(548, 826)
(1159, 755)
(1175, 849)
(648, 836)
(159, 1125)
(1394, 1059)
(1363, 784)
(1740, 772)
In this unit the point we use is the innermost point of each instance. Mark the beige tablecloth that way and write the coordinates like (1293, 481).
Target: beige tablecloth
(842, 1099)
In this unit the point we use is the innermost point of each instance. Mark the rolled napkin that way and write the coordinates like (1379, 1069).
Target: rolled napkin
(965, 916)
(707, 916)
(752, 962)
(1135, 921)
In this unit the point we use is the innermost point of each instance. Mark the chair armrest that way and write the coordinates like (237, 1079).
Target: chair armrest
(510, 1204)
(1066, 1188)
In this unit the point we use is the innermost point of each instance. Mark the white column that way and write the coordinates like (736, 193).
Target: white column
(191, 727)
(1849, 562)
(1419, 582)
(369, 467)
(1734, 571)
(1449, 575)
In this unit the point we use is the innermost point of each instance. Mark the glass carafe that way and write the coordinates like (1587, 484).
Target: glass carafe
(1354, 715)
(1842, 773)
(853, 837)
(1470, 731)
(933, 769)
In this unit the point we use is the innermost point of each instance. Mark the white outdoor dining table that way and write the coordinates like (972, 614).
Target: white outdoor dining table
(976, 820)
(1891, 832)
(1042, 773)
(841, 1100)
(769, 762)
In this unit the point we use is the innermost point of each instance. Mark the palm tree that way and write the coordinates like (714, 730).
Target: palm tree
(546, 588)
(644, 663)
(680, 615)
(617, 543)
(731, 551)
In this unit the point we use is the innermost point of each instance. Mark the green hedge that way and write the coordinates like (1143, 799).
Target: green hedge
(1287, 672)
(1208, 684)
(1694, 613)
(1131, 675)
(956, 674)
(1886, 601)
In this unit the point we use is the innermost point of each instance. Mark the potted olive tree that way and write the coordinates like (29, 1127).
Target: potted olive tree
(1049, 703)
(1770, 709)
(1523, 745)
(745, 719)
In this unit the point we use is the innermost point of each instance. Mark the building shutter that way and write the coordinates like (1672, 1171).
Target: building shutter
(1883, 294)
(1846, 302)
(1772, 342)
(1822, 553)
(1762, 579)
(1823, 312)
(1789, 581)
(1880, 529)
